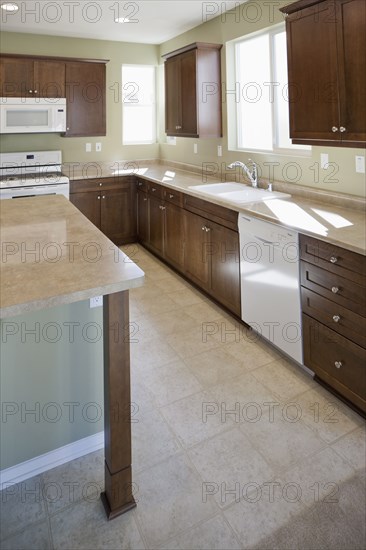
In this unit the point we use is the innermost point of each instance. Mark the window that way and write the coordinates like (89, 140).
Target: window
(260, 118)
(138, 104)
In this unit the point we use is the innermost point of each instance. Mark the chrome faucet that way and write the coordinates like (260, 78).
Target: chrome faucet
(251, 173)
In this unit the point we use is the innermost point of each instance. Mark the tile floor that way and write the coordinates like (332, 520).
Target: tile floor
(233, 446)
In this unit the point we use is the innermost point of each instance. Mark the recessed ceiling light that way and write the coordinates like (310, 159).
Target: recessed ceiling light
(9, 7)
(122, 20)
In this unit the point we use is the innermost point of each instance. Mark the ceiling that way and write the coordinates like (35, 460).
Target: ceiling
(151, 21)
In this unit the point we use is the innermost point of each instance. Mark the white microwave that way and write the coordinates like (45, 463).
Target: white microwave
(31, 115)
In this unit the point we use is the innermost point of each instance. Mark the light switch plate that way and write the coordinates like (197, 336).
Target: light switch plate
(97, 301)
(219, 150)
(360, 164)
(88, 147)
(195, 148)
(98, 147)
(324, 160)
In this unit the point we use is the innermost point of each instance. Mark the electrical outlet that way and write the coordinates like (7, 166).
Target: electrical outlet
(97, 301)
(195, 148)
(88, 147)
(360, 164)
(324, 161)
(219, 150)
(98, 147)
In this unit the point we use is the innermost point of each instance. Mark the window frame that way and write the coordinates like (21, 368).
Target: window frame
(154, 105)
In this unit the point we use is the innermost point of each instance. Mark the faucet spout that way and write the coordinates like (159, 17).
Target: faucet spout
(251, 173)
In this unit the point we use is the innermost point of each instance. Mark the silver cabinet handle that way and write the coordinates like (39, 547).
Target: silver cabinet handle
(163, 207)
(335, 289)
(103, 197)
(342, 129)
(68, 129)
(99, 198)
(207, 229)
(100, 185)
(334, 129)
(338, 364)
(153, 189)
(178, 127)
(171, 196)
(333, 260)
(30, 91)
(203, 228)
(140, 183)
(145, 198)
(36, 91)
(336, 318)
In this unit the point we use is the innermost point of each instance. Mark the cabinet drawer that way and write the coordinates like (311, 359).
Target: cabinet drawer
(336, 317)
(142, 185)
(175, 197)
(156, 190)
(80, 186)
(219, 214)
(337, 289)
(336, 360)
(345, 263)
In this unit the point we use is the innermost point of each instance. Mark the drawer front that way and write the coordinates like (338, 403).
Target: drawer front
(142, 184)
(219, 214)
(156, 190)
(175, 197)
(333, 258)
(336, 317)
(79, 186)
(336, 360)
(337, 289)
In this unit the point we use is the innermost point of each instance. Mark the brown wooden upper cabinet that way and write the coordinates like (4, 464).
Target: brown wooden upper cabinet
(29, 77)
(326, 44)
(193, 91)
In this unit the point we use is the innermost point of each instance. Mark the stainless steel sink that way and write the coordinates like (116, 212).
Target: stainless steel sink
(237, 192)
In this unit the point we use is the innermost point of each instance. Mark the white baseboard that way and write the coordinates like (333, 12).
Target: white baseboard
(47, 461)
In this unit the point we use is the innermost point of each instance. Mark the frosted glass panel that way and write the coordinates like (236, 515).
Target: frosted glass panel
(22, 117)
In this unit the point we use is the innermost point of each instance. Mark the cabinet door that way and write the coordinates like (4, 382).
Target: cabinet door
(197, 259)
(189, 94)
(351, 40)
(142, 217)
(89, 204)
(156, 229)
(312, 71)
(173, 115)
(174, 235)
(49, 78)
(85, 93)
(225, 266)
(16, 77)
(118, 214)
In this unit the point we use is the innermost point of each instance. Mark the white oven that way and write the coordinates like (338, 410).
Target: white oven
(30, 115)
(23, 192)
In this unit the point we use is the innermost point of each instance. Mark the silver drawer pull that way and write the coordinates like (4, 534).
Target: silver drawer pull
(338, 364)
(333, 260)
(342, 129)
(334, 129)
(153, 189)
(171, 196)
(203, 228)
(336, 318)
(103, 197)
(207, 229)
(98, 198)
(100, 185)
(145, 198)
(335, 289)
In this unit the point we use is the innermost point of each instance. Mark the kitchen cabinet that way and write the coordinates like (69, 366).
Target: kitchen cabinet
(142, 216)
(110, 203)
(29, 77)
(333, 290)
(326, 44)
(86, 101)
(193, 91)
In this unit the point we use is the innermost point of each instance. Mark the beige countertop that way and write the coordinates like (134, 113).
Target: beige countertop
(52, 255)
(336, 218)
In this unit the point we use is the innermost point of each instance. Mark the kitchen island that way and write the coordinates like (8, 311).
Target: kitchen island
(51, 255)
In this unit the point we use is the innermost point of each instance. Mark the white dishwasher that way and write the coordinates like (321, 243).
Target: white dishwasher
(270, 283)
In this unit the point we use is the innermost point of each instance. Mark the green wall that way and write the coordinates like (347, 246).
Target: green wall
(74, 148)
(51, 362)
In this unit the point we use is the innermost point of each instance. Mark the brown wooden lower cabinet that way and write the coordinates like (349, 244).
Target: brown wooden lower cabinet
(89, 205)
(142, 217)
(335, 360)
(156, 219)
(174, 241)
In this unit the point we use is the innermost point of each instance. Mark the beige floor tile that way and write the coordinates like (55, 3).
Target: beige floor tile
(191, 418)
(173, 321)
(228, 464)
(152, 440)
(150, 353)
(319, 479)
(215, 367)
(326, 415)
(85, 526)
(284, 381)
(156, 305)
(186, 297)
(141, 329)
(82, 478)
(205, 312)
(21, 505)
(142, 398)
(170, 500)
(191, 342)
(213, 534)
(171, 283)
(252, 355)
(353, 448)
(260, 514)
(171, 382)
(35, 537)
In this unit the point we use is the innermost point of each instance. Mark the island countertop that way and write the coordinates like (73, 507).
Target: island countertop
(53, 255)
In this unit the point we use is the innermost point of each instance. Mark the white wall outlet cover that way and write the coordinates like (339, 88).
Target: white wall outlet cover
(195, 148)
(219, 150)
(97, 301)
(98, 147)
(360, 164)
(324, 161)
(88, 147)
(171, 140)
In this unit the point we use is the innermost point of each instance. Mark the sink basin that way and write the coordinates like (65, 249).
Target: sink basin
(237, 192)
